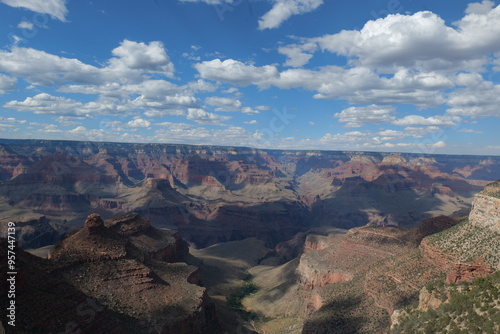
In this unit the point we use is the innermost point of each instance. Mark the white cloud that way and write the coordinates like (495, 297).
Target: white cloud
(201, 86)
(439, 144)
(235, 72)
(224, 103)
(233, 135)
(6, 83)
(177, 126)
(359, 85)
(251, 122)
(132, 62)
(202, 117)
(139, 123)
(479, 101)
(47, 104)
(296, 55)
(11, 120)
(480, 7)
(229, 104)
(68, 120)
(150, 57)
(345, 138)
(283, 9)
(55, 8)
(41, 68)
(231, 90)
(413, 120)
(422, 40)
(156, 98)
(249, 111)
(470, 131)
(25, 25)
(355, 117)
(263, 108)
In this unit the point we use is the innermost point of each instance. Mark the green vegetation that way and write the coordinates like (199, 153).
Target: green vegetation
(468, 243)
(234, 300)
(471, 308)
(493, 189)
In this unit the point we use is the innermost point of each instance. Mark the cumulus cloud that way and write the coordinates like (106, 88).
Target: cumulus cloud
(25, 25)
(229, 104)
(263, 108)
(481, 101)
(283, 9)
(41, 68)
(417, 120)
(55, 8)
(355, 117)
(249, 111)
(11, 120)
(224, 103)
(139, 123)
(422, 40)
(47, 104)
(6, 83)
(150, 57)
(359, 85)
(296, 55)
(123, 84)
(238, 73)
(411, 139)
(400, 59)
(132, 62)
(202, 117)
(480, 7)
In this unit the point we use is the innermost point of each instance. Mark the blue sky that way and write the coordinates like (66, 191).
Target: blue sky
(393, 75)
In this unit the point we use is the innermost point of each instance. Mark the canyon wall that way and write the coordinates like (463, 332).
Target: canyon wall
(214, 194)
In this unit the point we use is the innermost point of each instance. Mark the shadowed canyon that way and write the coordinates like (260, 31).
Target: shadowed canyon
(204, 239)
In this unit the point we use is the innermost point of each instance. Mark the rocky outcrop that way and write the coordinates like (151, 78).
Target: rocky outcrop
(466, 272)
(430, 300)
(486, 211)
(310, 278)
(36, 232)
(94, 224)
(130, 267)
(214, 194)
(46, 303)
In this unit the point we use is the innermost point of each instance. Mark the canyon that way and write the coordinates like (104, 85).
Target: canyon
(216, 194)
(323, 242)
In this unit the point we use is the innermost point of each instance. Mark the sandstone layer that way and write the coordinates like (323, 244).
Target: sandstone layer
(131, 271)
(215, 194)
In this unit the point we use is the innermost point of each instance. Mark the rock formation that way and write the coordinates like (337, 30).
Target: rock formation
(358, 280)
(132, 270)
(486, 208)
(214, 194)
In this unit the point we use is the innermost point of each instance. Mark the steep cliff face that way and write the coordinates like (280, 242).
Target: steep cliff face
(486, 208)
(46, 303)
(36, 232)
(468, 252)
(131, 268)
(472, 248)
(348, 281)
(214, 194)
